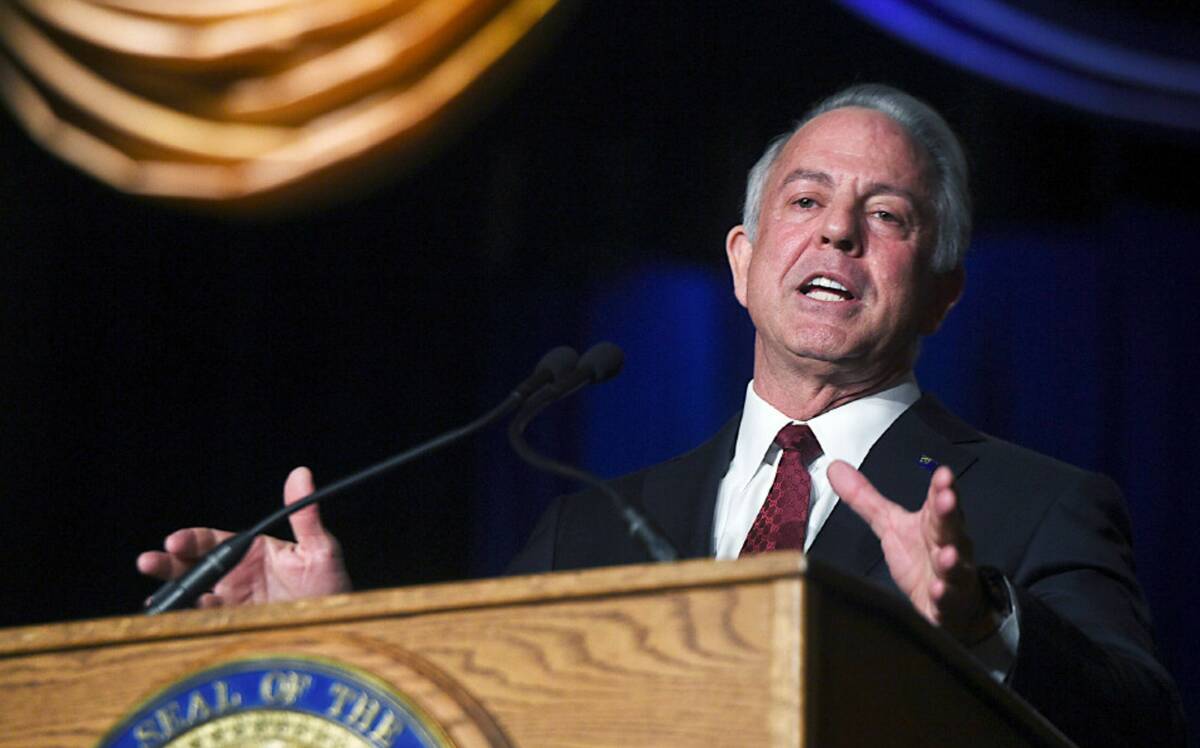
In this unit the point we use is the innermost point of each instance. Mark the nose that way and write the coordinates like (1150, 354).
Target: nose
(840, 230)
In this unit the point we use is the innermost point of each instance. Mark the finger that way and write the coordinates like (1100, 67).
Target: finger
(949, 564)
(937, 592)
(161, 565)
(943, 518)
(192, 543)
(183, 549)
(306, 523)
(210, 600)
(949, 576)
(854, 488)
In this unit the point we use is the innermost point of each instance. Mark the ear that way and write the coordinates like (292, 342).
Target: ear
(739, 250)
(945, 291)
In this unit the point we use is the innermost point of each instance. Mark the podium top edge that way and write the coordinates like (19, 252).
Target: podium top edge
(404, 601)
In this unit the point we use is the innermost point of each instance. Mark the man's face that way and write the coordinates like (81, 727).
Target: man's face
(838, 277)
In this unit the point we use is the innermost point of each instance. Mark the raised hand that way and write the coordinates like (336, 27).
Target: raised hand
(273, 570)
(927, 551)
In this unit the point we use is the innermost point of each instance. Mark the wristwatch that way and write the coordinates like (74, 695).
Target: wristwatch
(996, 607)
(995, 591)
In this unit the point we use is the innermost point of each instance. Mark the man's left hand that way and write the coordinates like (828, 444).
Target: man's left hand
(928, 552)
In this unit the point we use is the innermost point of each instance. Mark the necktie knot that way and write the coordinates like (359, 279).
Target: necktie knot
(796, 437)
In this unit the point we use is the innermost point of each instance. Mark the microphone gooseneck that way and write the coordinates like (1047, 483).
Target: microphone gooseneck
(556, 365)
(599, 363)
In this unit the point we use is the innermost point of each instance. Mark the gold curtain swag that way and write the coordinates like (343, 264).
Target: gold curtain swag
(246, 103)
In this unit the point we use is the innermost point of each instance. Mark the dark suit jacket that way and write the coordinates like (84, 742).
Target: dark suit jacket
(1061, 535)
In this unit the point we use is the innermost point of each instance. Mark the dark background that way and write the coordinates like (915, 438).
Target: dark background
(163, 368)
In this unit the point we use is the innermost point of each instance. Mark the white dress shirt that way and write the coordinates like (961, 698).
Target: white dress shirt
(844, 433)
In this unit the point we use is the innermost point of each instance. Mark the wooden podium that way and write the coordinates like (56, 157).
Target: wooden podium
(766, 651)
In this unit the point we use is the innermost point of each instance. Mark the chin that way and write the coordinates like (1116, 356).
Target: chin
(822, 343)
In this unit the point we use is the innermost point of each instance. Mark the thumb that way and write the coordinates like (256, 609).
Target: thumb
(854, 489)
(306, 523)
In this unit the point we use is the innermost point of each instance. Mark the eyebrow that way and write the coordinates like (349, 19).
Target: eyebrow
(804, 175)
(822, 178)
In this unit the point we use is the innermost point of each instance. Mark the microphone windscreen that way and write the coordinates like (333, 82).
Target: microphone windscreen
(602, 361)
(558, 363)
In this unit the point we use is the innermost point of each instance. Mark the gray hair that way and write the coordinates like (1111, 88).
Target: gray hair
(951, 200)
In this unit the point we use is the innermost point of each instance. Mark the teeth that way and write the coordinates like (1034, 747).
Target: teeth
(820, 295)
(824, 282)
(826, 289)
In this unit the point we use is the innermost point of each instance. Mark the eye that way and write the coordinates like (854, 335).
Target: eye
(893, 221)
(804, 202)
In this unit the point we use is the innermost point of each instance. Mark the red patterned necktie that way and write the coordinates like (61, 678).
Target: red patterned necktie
(782, 522)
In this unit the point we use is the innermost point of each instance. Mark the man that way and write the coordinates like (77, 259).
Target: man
(851, 249)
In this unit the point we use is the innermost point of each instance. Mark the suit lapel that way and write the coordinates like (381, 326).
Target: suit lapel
(681, 496)
(899, 466)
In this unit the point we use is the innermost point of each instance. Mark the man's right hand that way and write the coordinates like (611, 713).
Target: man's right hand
(274, 570)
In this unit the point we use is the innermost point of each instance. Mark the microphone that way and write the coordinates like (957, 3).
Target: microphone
(552, 367)
(556, 365)
(599, 363)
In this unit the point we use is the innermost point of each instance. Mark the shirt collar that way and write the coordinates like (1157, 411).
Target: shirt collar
(845, 433)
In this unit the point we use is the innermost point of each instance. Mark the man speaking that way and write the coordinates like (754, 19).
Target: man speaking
(851, 249)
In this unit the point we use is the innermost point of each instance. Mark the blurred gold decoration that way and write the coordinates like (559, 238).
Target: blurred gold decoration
(239, 103)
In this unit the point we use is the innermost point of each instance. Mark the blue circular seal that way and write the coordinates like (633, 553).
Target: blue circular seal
(278, 701)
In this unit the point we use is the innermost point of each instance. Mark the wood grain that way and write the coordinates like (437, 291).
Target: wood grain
(455, 596)
(670, 655)
(765, 651)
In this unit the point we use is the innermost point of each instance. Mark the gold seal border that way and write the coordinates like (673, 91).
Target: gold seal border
(472, 724)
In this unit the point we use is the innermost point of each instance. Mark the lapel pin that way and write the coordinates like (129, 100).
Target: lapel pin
(927, 463)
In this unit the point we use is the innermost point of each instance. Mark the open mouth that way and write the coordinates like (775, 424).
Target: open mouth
(824, 288)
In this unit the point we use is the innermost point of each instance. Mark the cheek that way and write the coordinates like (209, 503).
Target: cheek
(899, 277)
(781, 249)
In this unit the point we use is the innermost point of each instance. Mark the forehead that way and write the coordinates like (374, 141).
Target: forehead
(857, 143)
